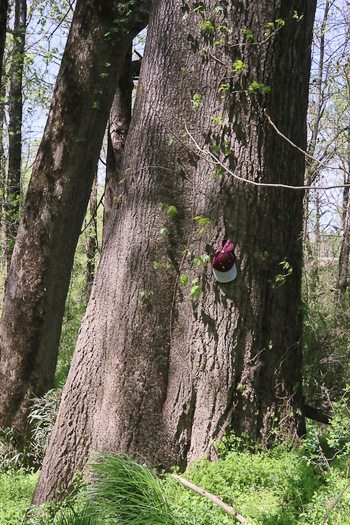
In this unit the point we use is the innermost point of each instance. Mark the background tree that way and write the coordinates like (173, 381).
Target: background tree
(118, 127)
(57, 198)
(13, 179)
(91, 238)
(3, 23)
(327, 327)
(161, 368)
(317, 109)
(343, 265)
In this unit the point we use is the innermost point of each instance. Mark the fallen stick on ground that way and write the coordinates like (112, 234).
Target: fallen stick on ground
(214, 499)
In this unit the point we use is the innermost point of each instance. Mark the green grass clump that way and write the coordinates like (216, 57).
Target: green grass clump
(16, 489)
(129, 492)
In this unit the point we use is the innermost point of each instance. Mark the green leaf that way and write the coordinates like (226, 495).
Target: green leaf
(195, 291)
(183, 280)
(197, 100)
(207, 26)
(238, 65)
(171, 211)
(164, 231)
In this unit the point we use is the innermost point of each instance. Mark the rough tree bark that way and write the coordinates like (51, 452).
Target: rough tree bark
(57, 198)
(13, 180)
(119, 122)
(157, 372)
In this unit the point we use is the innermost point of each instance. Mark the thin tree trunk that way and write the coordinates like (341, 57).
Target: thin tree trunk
(119, 122)
(91, 240)
(157, 372)
(3, 23)
(57, 199)
(312, 168)
(13, 180)
(343, 264)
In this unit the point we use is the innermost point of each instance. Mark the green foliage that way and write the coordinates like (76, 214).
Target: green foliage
(10, 457)
(279, 487)
(171, 211)
(121, 24)
(183, 280)
(197, 101)
(42, 418)
(65, 514)
(146, 294)
(16, 489)
(203, 221)
(249, 35)
(201, 259)
(282, 486)
(261, 256)
(164, 231)
(326, 337)
(195, 288)
(238, 66)
(338, 433)
(74, 312)
(297, 17)
(273, 27)
(256, 86)
(280, 278)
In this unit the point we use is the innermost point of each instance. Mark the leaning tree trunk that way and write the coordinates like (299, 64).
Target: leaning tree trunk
(57, 198)
(13, 179)
(157, 372)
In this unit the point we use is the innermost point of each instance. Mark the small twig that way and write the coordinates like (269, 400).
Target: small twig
(94, 215)
(216, 161)
(314, 159)
(325, 460)
(335, 503)
(214, 499)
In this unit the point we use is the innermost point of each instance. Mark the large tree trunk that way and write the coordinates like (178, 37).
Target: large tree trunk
(157, 372)
(13, 180)
(57, 198)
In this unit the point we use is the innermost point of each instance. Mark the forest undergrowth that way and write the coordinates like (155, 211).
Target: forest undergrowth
(286, 485)
(289, 484)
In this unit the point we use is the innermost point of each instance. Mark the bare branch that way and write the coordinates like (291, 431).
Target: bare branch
(214, 499)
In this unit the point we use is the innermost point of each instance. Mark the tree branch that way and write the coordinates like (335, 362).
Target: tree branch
(214, 499)
(316, 415)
